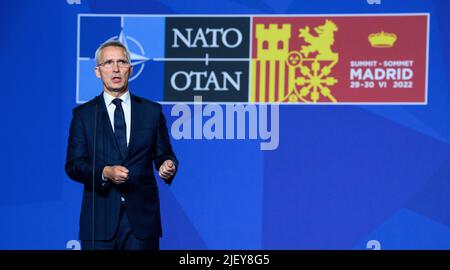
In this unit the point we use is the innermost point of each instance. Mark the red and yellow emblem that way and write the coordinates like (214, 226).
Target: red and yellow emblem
(347, 59)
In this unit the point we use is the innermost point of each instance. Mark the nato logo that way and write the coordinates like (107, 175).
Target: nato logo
(207, 57)
(144, 38)
(174, 58)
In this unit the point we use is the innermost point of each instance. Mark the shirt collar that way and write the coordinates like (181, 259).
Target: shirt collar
(108, 98)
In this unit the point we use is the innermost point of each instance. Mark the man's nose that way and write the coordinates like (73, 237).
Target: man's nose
(116, 67)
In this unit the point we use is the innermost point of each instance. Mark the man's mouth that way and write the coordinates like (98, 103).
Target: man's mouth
(116, 79)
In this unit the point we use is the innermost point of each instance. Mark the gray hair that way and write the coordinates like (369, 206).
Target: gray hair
(111, 43)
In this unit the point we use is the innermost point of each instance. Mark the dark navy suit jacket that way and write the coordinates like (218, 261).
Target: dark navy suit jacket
(149, 144)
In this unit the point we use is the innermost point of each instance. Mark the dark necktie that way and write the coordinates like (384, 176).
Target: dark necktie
(120, 128)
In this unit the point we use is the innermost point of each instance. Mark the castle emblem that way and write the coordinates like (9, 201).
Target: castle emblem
(301, 75)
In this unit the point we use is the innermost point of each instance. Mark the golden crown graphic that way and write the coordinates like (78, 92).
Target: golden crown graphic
(382, 39)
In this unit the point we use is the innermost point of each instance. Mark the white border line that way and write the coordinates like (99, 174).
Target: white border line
(255, 15)
(428, 14)
(250, 44)
(291, 104)
(427, 58)
(206, 59)
(78, 61)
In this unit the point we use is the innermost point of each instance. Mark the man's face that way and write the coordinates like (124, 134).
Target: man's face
(114, 69)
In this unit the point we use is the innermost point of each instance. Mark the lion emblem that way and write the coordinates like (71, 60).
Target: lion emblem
(321, 43)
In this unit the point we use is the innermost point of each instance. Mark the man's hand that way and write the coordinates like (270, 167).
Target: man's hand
(167, 169)
(117, 174)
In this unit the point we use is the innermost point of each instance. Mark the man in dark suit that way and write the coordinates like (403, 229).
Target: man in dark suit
(113, 141)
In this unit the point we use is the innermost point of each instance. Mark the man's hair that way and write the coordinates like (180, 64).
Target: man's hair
(111, 43)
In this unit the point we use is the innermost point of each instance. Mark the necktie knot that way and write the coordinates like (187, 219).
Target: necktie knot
(117, 101)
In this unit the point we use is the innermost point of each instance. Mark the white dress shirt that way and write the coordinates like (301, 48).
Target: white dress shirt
(126, 105)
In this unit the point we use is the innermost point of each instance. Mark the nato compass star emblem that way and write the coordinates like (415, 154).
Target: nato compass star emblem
(136, 53)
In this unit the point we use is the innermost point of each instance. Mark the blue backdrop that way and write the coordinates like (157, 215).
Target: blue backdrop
(342, 177)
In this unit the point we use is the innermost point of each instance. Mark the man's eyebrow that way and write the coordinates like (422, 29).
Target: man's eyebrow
(120, 59)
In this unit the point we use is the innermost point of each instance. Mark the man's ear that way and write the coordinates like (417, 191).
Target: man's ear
(97, 72)
(131, 70)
